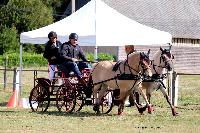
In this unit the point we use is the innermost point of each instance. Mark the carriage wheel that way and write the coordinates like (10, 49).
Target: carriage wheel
(66, 98)
(80, 100)
(39, 99)
(107, 103)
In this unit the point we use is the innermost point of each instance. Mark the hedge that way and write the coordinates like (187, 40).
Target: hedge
(32, 59)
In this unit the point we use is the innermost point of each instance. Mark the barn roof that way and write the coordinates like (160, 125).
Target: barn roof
(181, 18)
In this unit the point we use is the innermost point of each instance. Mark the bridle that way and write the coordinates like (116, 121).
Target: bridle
(166, 57)
(144, 63)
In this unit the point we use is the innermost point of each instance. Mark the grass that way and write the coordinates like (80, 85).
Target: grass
(23, 120)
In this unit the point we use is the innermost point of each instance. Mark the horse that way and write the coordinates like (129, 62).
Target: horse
(105, 78)
(162, 59)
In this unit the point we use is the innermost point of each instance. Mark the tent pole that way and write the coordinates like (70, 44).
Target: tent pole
(95, 53)
(95, 49)
(73, 5)
(20, 71)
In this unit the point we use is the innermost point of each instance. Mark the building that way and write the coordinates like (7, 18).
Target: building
(180, 18)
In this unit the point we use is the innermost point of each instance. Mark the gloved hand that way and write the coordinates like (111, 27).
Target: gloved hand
(74, 59)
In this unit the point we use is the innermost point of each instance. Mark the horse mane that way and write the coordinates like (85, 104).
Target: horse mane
(132, 54)
(156, 56)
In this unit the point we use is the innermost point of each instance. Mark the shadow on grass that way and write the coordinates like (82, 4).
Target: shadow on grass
(7, 111)
(73, 114)
(3, 104)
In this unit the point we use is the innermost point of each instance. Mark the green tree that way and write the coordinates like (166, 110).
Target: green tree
(25, 15)
(58, 7)
(9, 41)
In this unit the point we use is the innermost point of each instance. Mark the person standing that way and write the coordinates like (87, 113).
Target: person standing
(130, 49)
(52, 53)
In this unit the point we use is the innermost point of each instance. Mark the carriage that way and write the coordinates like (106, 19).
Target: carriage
(66, 91)
(106, 87)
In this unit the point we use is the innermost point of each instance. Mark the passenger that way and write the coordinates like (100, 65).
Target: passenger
(71, 52)
(52, 53)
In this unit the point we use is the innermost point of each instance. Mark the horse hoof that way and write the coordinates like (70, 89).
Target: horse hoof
(96, 108)
(120, 113)
(98, 113)
(141, 109)
(150, 109)
(174, 113)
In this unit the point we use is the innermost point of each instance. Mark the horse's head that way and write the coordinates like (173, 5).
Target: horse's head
(144, 64)
(139, 62)
(166, 58)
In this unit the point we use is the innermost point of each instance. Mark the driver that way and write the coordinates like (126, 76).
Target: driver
(71, 52)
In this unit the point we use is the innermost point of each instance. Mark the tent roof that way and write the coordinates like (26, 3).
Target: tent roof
(98, 24)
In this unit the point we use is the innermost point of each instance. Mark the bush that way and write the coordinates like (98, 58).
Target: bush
(101, 56)
(32, 59)
(29, 59)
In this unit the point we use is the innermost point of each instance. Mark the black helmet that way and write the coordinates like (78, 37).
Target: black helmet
(52, 34)
(73, 36)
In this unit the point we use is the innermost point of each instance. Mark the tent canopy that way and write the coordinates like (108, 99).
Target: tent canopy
(97, 24)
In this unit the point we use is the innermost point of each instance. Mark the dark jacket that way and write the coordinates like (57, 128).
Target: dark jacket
(69, 51)
(52, 52)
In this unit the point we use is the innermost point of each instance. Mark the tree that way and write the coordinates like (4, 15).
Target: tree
(26, 15)
(58, 7)
(9, 40)
(22, 15)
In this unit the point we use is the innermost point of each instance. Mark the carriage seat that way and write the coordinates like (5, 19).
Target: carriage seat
(63, 72)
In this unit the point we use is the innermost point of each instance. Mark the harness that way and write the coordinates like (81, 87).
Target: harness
(122, 74)
(159, 77)
(162, 58)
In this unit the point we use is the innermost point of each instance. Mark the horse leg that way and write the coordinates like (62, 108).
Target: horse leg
(139, 107)
(96, 99)
(150, 109)
(101, 93)
(123, 96)
(174, 113)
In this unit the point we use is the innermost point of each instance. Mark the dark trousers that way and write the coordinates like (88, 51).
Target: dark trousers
(75, 67)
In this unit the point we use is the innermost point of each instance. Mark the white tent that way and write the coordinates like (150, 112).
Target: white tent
(97, 24)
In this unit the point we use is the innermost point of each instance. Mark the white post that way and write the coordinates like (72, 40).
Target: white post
(16, 85)
(17, 81)
(20, 70)
(174, 89)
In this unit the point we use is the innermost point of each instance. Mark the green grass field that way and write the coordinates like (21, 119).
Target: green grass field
(23, 120)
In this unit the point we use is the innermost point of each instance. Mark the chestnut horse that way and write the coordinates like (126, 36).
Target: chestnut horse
(105, 78)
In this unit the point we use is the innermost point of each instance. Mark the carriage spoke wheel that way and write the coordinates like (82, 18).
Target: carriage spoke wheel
(66, 98)
(80, 100)
(39, 99)
(107, 103)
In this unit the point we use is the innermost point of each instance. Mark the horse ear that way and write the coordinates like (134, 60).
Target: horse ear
(170, 46)
(172, 56)
(161, 49)
(148, 52)
(141, 54)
